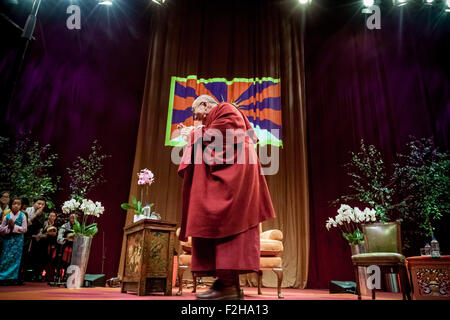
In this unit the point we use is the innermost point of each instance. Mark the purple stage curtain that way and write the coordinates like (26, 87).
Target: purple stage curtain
(78, 86)
(379, 85)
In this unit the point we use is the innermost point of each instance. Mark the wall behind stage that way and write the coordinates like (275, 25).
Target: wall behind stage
(379, 85)
(82, 85)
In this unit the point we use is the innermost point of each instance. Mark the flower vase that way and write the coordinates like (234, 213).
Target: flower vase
(80, 256)
(362, 271)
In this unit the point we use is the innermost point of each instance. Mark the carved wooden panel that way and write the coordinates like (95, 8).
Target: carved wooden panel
(133, 255)
(159, 253)
(432, 282)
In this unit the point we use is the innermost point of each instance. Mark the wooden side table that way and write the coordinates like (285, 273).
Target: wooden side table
(149, 257)
(429, 277)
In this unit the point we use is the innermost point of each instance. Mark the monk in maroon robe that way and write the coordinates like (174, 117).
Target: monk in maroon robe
(225, 197)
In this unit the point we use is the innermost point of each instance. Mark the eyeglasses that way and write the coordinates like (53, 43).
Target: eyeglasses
(5, 197)
(200, 104)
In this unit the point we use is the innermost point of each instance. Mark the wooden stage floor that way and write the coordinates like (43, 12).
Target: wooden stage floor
(41, 291)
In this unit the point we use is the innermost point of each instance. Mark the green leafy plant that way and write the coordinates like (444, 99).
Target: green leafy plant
(86, 173)
(88, 231)
(369, 181)
(88, 211)
(417, 193)
(136, 206)
(356, 237)
(26, 169)
(422, 176)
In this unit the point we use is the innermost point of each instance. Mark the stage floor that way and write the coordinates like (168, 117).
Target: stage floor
(41, 291)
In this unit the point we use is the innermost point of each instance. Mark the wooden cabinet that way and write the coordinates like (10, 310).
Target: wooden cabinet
(429, 277)
(149, 257)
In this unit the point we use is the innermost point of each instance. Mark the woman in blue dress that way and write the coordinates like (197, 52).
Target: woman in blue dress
(13, 226)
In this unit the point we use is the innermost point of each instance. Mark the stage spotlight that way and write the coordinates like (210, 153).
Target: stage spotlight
(159, 2)
(428, 2)
(304, 1)
(368, 3)
(400, 3)
(105, 3)
(447, 6)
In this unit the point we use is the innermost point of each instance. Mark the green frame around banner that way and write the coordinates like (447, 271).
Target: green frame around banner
(174, 79)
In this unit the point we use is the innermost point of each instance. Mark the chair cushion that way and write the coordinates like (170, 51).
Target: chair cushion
(378, 258)
(271, 247)
(185, 260)
(274, 234)
(270, 262)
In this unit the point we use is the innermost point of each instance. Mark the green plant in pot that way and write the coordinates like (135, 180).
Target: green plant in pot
(141, 211)
(369, 182)
(85, 174)
(422, 178)
(417, 193)
(348, 221)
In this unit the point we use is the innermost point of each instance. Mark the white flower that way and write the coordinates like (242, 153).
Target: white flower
(99, 209)
(330, 223)
(88, 207)
(70, 205)
(343, 208)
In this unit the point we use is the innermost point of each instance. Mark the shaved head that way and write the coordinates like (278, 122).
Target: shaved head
(203, 105)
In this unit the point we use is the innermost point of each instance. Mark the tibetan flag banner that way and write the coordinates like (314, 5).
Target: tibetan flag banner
(258, 99)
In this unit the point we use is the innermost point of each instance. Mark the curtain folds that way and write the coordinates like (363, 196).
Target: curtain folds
(230, 39)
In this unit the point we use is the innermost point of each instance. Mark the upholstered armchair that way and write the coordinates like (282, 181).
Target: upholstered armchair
(383, 249)
(271, 247)
(271, 256)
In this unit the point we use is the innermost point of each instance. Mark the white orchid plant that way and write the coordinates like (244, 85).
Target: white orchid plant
(89, 210)
(140, 207)
(348, 222)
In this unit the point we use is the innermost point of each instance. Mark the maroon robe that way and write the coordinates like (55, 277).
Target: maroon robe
(221, 200)
(224, 202)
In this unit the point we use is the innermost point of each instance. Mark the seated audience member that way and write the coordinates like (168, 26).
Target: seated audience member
(46, 247)
(30, 255)
(13, 227)
(65, 239)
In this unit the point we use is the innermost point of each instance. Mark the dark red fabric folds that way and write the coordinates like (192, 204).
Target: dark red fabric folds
(221, 200)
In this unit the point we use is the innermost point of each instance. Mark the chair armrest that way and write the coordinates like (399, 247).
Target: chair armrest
(273, 234)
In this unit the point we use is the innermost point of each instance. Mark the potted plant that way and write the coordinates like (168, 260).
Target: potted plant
(142, 209)
(422, 178)
(348, 221)
(85, 175)
(417, 193)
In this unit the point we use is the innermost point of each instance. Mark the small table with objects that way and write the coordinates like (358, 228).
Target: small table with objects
(429, 277)
(149, 257)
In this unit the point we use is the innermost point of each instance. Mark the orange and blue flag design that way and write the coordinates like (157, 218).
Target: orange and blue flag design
(258, 99)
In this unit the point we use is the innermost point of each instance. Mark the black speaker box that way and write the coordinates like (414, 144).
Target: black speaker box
(94, 280)
(342, 287)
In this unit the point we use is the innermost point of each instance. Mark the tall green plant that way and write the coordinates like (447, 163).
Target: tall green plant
(423, 179)
(417, 193)
(26, 169)
(369, 181)
(86, 173)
